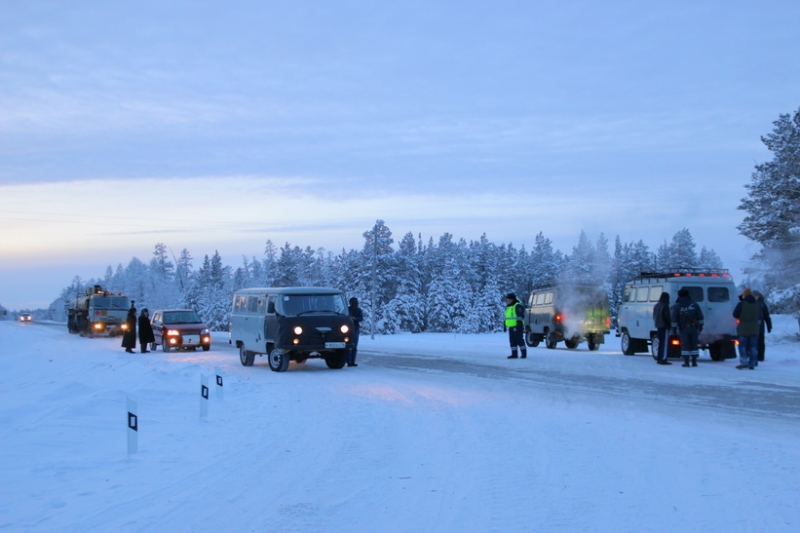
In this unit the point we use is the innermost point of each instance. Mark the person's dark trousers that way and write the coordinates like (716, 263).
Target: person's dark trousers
(516, 337)
(762, 346)
(351, 355)
(663, 344)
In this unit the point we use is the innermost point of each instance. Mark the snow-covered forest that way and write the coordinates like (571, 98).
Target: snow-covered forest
(409, 285)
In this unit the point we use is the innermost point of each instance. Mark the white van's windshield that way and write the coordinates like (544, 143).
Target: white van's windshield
(302, 304)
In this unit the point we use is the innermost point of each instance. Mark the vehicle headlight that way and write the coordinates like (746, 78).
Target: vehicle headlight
(298, 330)
(173, 332)
(98, 325)
(345, 328)
(205, 332)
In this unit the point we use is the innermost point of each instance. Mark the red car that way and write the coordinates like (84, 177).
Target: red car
(179, 329)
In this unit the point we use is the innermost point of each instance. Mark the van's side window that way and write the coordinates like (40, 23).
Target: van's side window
(540, 298)
(641, 294)
(241, 304)
(718, 294)
(262, 305)
(252, 304)
(655, 292)
(271, 304)
(626, 295)
(696, 293)
(548, 297)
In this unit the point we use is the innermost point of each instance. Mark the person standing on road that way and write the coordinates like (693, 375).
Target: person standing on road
(129, 337)
(764, 323)
(145, 331)
(663, 323)
(515, 324)
(748, 313)
(688, 318)
(358, 316)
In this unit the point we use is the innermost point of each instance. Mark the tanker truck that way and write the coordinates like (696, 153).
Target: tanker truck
(98, 313)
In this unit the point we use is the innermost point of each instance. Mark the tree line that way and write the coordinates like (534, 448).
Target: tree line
(443, 285)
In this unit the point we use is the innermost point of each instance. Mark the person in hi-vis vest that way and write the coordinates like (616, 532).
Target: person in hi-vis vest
(515, 324)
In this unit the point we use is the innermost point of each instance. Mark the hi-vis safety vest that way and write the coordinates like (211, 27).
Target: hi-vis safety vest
(511, 315)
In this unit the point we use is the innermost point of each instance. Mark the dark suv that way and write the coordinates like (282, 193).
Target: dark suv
(180, 329)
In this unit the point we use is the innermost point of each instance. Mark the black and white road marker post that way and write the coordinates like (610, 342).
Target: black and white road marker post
(203, 396)
(220, 394)
(133, 427)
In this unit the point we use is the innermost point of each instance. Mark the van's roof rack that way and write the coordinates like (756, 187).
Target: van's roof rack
(687, 272)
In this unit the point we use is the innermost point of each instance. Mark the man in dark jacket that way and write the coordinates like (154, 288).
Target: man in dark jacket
(748, 313)
(515, 324)
(663, 323)
(688, 318)
(764, 323)
(145, 331)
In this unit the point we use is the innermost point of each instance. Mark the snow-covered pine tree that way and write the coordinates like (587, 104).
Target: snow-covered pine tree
(773, 215)
(679, 254)
(546, 263)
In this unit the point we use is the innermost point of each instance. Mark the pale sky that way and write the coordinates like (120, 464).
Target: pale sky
(217, 126)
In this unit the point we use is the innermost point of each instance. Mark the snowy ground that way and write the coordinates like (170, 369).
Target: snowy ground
(429, 433)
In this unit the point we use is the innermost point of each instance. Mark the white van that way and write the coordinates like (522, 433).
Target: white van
(291, 324)
(713, 290)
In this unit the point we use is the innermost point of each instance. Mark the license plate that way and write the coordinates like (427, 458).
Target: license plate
(191, 339)
(335, 345)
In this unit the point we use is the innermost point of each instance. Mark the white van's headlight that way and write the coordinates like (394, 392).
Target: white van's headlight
(298, 330)
(345, 328)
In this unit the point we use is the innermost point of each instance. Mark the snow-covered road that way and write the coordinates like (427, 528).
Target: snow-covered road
(428, 433)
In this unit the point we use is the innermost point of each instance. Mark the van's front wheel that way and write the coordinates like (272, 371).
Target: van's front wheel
(626, 344)
(337, 359)
(246, 357)
(278, 360)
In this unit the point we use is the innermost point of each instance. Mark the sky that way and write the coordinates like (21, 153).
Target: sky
(218, 127)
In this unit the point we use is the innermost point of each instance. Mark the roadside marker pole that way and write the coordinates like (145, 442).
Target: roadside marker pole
(220, 393)
(203, 396)
(133, 427)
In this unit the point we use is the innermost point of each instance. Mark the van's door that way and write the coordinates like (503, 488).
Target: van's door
(270, 315)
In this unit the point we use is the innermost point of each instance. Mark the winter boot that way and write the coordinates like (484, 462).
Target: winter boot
(694, 361)
(524, 354)
(685, 362)
(512, 356)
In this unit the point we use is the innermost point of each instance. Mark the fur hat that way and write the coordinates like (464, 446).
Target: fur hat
(747, 292)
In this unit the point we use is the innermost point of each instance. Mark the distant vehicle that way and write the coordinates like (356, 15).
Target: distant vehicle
(713, 290)
(98, 312)
(179, 329)
(25, 317)
(291, 324)
(567, 312)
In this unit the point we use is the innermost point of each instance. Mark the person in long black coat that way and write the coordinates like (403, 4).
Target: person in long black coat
(129, 337)
(145, 331)
(662, 319)
(765, 322)
(358, 316)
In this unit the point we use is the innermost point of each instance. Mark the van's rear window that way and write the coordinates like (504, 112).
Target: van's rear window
(719, 294)
(696, 293)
